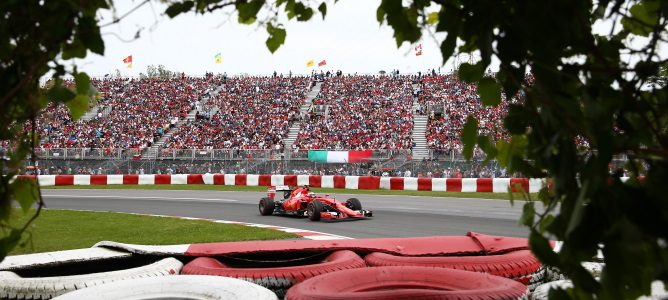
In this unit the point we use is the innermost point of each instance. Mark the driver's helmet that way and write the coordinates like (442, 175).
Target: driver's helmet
(311, 194)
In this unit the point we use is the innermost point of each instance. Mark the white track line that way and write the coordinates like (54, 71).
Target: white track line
(138, 197)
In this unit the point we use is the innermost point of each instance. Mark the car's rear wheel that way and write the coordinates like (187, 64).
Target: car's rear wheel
(266, 206)
(313, 210)
(354, 204)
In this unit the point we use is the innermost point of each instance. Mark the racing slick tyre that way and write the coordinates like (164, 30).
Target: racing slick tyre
(277, 279)
(407, 283)
(354, 204)
(514, 265)
(313, 210)
(266, 206)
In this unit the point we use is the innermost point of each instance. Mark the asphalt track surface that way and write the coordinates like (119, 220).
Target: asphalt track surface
(394, 216)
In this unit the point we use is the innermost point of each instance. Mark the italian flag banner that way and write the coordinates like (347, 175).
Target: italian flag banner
(324, 156)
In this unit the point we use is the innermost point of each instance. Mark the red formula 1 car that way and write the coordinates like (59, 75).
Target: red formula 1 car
(301, 202)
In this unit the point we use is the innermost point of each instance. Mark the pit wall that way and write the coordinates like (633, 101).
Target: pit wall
(489, 185)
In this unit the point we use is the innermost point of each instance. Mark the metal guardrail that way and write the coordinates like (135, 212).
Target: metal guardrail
(379, 155)
(197, 154)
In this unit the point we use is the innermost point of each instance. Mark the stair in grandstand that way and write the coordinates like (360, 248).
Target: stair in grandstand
(292, 135)
(92, 113)
(152, 152)
(303, 110)
(314, 92)
(420, 150)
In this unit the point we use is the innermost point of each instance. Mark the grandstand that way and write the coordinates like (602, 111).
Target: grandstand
(267, 124)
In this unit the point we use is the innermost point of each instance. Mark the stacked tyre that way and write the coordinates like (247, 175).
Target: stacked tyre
(521, 266)
(407, 283)
(277, 279)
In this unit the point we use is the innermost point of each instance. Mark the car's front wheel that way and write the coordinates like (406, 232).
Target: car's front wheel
(313, 210)
(354, 204)
(266, 206)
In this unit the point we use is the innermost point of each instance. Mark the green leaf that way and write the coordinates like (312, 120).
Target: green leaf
(248, 10)
(179, 7)
(487, 146)
(471, 73)
(83, 83)
(89, 34)
(9, 242)
(403, 21)
(469, 134)
(559, 294)
(448, 47)
(78, 106)
(541, 247)
(246, 22)
(511, 197)
(432, 18)
(489, 91)
(302, 12)
(276, 37)
(60, 93)
(528, 214)
(578, 209)
(25, 193)
(380, 14)
(644, 16)
(75, 49)
(290, 9)
(546, 222)
(323, 9)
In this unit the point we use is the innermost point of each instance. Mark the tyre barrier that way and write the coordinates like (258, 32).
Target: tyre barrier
(594, 268)
(472, 244)
(36, 260)
(532, 281)
(277, 279)
(13, 286)
(174, 287)
(407, 283)
(515, 264)
(542, 291)
(658, 290)
(521, 266)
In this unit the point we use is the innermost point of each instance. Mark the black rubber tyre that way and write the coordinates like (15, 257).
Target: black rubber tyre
(313, 210)
(354, 204)
(266, 206)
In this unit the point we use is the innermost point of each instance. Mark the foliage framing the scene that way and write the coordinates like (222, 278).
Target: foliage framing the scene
(37, 38)
(603, 88)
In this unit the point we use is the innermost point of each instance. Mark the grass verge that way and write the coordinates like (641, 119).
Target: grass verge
(233, 188)
(56, 230)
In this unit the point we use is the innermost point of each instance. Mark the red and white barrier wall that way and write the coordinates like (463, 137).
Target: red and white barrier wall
(491, 185)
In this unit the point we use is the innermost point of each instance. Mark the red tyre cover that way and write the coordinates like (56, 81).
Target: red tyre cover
(406, 283)
(510, 265)
(339, 260)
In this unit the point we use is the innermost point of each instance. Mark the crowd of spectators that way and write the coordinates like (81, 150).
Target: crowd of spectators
(247, 113)
(363, 112)
(450, 102)
(131, 113)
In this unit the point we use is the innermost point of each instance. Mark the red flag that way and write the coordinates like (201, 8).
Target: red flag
(322, 63)
(128, 60)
